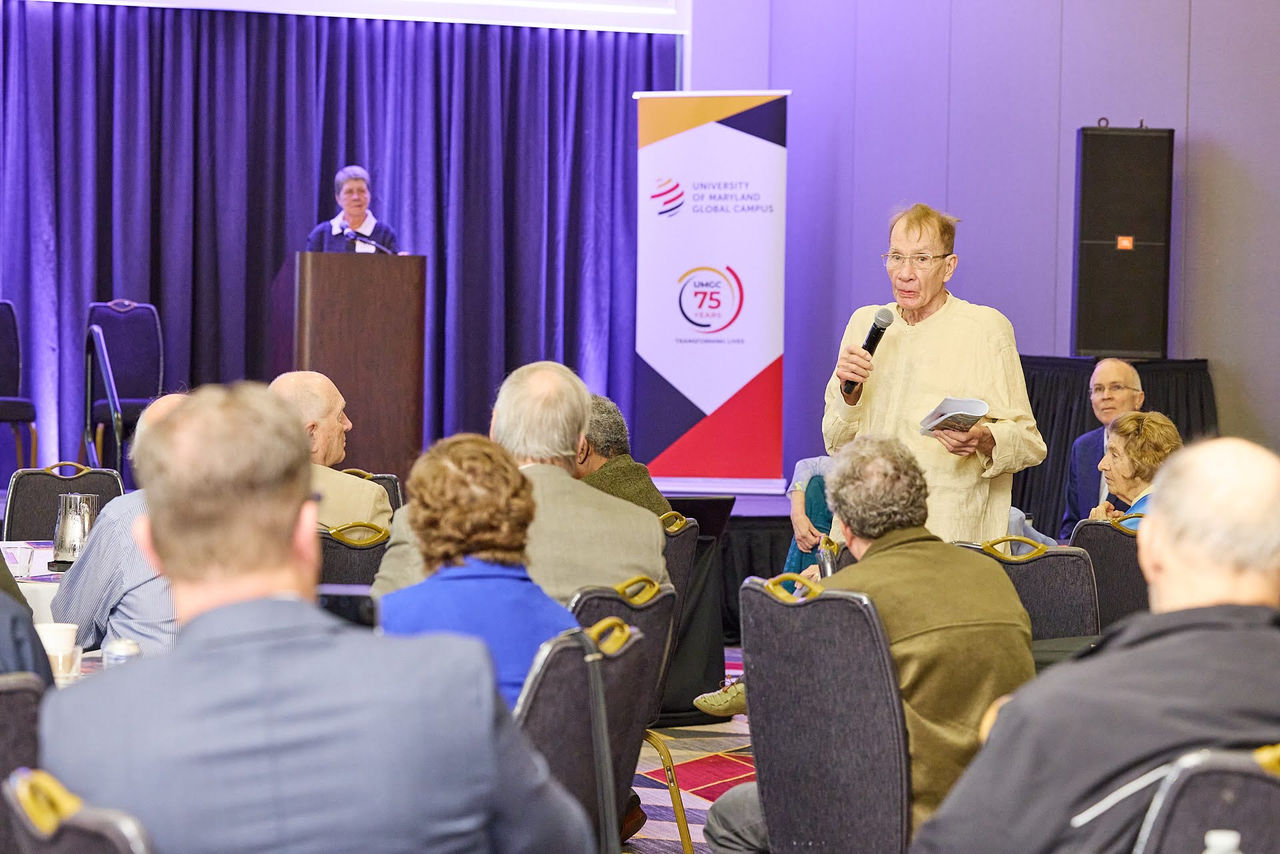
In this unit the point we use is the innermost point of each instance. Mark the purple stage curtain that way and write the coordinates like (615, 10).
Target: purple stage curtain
(180, 157)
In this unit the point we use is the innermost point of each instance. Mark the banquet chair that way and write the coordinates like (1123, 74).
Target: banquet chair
(31, 511)
(15, 410)
(592, 681)
(649, 606)
(1113, 549)
(48, 819)
(389, 482)
(1055, 585)
(128, 352)
(20, 695)
(351, 553)
(1210, 790)
(678, 551)
(822, 681)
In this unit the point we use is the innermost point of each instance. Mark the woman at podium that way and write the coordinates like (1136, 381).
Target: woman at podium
(355, 228)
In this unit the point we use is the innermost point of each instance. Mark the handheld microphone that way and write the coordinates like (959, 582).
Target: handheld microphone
(884, 318)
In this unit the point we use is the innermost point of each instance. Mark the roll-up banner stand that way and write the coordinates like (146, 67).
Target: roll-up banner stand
(711, 228)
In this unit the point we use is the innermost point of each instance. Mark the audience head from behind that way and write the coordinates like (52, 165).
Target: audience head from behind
(1114, 389)
(323, 410)
(1210, 535)
(1067, 754)
(876, 486)
(468, 498)
(541, 415)
(606, 437)
(229, 510)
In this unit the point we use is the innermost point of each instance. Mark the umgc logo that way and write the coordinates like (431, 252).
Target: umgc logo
(710, 298)
(669, 197)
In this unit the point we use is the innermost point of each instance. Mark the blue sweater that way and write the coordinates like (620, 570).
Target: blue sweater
(499, 604)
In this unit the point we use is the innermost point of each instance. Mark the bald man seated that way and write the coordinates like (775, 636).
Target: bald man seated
(1198, 671)
(343, 497)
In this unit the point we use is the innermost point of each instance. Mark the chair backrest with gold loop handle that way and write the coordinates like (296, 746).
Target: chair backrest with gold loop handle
(343, 534)
(610, 634)
(673, 521)
(991, 547)
(78, 469)
(43, 798)
(638, 590)
(1118, 523)
(774, 587)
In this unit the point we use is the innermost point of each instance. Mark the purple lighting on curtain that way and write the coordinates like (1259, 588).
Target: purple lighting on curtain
(179, 157)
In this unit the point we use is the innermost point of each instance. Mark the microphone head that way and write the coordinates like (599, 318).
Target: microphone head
(349, 233)
(884, 317)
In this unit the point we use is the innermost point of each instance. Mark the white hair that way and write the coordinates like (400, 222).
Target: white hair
(541, 412)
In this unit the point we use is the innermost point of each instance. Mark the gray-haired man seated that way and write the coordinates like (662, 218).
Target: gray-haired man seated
(957, 631)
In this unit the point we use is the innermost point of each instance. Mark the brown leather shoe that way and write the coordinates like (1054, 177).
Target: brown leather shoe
(634, 818)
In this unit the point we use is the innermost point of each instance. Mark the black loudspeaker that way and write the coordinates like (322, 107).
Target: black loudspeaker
(1123, 202)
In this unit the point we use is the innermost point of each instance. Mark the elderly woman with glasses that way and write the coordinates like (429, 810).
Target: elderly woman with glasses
(355, 228)
(1138, 443)
(937, 346)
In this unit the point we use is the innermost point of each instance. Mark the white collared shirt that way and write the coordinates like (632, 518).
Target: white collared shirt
(365, 228)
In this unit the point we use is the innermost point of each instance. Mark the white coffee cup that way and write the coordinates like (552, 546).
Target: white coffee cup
(58, 638)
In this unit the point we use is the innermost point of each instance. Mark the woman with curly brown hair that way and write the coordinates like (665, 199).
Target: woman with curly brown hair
(469, 509)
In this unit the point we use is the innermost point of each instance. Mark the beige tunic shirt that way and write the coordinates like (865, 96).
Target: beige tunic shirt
(961, 350)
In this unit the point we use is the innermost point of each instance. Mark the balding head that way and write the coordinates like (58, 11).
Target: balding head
(1114, 389)
(1210, 536)
(155, 412)
(322, 410)
(541, 414)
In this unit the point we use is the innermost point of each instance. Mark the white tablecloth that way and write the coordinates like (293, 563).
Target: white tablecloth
(38, 593)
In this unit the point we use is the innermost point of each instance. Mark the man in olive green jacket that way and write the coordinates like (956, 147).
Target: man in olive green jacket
(957, 631)
(604, 460)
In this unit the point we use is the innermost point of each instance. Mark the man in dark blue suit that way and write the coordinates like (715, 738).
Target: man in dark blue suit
(272, 726)
(1114, 389)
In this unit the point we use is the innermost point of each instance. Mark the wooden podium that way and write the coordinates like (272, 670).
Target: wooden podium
(358, 319)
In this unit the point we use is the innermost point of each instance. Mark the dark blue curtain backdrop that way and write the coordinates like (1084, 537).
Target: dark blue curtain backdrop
(179, 157)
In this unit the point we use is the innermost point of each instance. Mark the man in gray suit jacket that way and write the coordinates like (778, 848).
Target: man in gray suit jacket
(272, 726)
(580, 536)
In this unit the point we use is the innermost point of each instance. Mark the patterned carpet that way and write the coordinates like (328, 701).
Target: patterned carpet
(709, 760)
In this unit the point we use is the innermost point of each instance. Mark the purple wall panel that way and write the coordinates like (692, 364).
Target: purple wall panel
(1232, 195)
(1003, 162)
(817, 64)
(901, 117)
(1126, 61)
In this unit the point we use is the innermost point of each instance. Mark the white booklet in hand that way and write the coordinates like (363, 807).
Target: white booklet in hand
(954, 413)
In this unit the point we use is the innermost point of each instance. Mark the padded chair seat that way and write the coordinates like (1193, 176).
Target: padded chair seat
(17, 409)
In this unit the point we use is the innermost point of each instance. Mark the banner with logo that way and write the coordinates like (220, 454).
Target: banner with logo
(707, 408)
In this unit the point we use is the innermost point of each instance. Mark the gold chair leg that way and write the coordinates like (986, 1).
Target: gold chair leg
(97, 443)
(35, 442)
(17, 443)
(677, 803)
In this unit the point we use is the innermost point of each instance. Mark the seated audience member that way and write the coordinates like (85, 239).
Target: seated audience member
(20, 647)
(580, 537)
(810, 514)
(957, 632)
(604, 460)
(1114, 389)
(1196, 672)
(1138, 443)
(112, 591)
(272, 725)
(343, 497)
(469, 510)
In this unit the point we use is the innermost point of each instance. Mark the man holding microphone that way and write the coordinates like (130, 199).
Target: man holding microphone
(936, 346)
